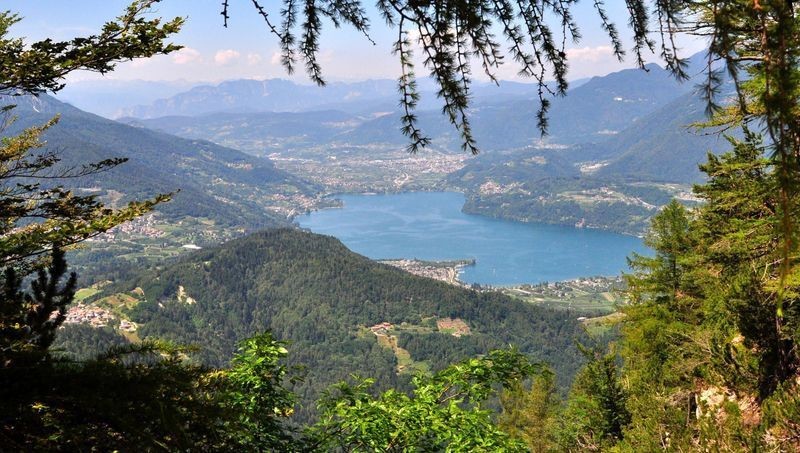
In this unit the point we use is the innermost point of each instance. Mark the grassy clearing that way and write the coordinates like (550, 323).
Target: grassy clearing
(602, 324)
(593, 295)
(121, 303)
(85, 293)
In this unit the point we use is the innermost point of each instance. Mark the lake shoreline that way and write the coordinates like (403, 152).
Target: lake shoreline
(339, 205)
(430, 226)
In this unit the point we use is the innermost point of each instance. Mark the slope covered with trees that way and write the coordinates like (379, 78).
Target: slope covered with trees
(707, 357)
(213, 181)
(310, 290)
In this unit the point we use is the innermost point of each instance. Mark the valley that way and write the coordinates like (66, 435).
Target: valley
(432, 257)
(551, 226)
(369, 168)
(593, 170)
(236, 171)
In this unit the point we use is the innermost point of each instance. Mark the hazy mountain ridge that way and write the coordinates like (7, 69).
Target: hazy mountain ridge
(502, 118)
(109, 97)
(665, 145)
(248, 130)
(272, 95)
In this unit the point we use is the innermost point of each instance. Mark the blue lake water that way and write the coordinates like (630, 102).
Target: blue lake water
(431, 226)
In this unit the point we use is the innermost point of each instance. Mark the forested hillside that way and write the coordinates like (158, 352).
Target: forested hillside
(665, 146)
(214, 182)
(617, 184)
(311, 290)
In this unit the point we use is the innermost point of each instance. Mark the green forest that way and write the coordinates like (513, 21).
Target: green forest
(283, 340)
(322, 298)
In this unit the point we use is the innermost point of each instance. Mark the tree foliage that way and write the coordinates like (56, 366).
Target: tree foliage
(28, 319)
(660, 276)
(255, 392)
(708, 355)
(596, 412)
(444, 413)
(32, 68)
(530, 413)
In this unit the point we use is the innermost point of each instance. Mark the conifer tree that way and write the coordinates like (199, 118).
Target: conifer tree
(596, 412)
(29, 319)
(530, 414)
(36, 212)
(661, 276)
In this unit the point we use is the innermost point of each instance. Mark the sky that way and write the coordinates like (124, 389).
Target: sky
(246, 49)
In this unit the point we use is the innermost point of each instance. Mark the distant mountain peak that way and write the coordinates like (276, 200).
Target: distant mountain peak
(269, 95)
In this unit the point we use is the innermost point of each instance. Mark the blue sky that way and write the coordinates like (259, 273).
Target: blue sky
(246, 50)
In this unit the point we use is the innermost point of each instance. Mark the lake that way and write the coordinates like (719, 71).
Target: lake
(431, 226)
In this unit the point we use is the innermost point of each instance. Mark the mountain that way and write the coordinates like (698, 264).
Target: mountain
(213, 182)
(663, 146)
(526, 166)
(589, 113)
(278, 95)
(273, 95)
(311, 290)
(256, 131)
(617, 183)
(503, 117)
(108, 97)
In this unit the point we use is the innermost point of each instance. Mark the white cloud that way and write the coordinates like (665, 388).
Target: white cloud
(275, 59)
(253, 59)
(226, 57)
(590, 54)
(186, 55)
(141, 62)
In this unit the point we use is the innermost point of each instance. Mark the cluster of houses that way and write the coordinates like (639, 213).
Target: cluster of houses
(143, 226)
(96, 317)
(447, 274)
(88, 314)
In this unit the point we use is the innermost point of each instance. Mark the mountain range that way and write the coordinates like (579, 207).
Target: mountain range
(502, 117)
(618, 145)
(109, 97)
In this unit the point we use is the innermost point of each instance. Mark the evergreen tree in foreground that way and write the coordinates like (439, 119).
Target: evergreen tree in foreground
(29, 319)
(709, 358)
